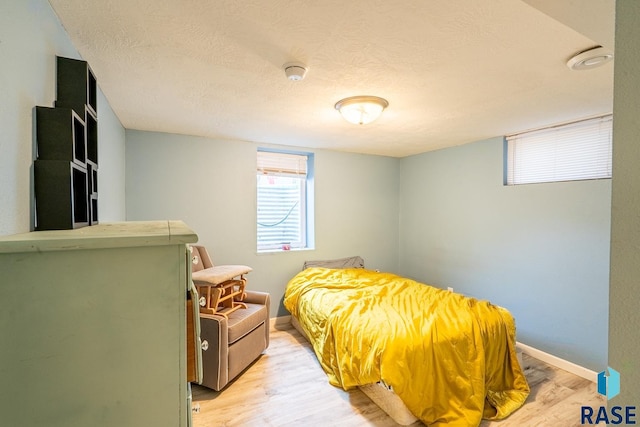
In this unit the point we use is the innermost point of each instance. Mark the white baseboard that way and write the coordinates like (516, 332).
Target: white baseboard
(558, 362)
(280, 322)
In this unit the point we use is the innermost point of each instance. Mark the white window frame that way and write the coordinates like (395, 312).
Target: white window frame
(580, 150)
(285, 165)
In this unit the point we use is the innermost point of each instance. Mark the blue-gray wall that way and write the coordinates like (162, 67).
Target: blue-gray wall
(540, 250)
(30, 38)
(211, 185)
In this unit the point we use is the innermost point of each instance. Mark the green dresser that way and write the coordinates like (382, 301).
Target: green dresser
(93, 326)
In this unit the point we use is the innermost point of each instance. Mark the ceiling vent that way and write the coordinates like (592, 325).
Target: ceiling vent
(589, 59)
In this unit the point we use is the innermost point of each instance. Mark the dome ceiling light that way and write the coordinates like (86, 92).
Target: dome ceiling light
(589, 59)
(361, 110)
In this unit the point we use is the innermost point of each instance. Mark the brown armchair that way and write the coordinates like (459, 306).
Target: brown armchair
(231, 342)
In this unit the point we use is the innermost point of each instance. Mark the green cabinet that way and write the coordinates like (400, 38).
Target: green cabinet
(93, 326)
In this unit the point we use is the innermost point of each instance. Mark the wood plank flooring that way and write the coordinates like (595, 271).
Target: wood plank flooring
(287, 387)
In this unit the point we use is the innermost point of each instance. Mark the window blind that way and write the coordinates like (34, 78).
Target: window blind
(575, 151)
(281, 214)
(282, 164)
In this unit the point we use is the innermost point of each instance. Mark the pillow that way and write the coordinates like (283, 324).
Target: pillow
(350, 262)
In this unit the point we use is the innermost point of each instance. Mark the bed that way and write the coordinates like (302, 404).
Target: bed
(448, 359)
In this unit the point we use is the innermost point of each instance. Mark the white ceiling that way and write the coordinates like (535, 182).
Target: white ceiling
(453, 71)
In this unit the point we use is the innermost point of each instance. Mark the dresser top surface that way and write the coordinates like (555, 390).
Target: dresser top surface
(107, 235)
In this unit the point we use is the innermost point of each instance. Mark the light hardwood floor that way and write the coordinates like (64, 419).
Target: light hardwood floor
(287, 387)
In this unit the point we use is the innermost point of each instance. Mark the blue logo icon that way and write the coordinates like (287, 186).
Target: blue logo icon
(609, 385)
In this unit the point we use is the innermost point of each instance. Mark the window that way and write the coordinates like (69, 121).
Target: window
(575, 151)
(285, 195)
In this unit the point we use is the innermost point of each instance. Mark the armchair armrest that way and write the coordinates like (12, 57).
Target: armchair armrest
(262, 298)
(217, 353)
(257, 297)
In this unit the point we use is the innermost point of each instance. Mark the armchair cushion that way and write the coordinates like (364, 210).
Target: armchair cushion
(200, 258)
(243, 321)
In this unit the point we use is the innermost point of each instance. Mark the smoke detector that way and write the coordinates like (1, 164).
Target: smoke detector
(295, 71)
(590, 58)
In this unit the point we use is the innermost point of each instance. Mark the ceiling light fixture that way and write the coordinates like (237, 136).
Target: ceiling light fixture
(361, 110)
(589, 59)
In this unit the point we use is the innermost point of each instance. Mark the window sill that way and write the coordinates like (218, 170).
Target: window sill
(277, 251)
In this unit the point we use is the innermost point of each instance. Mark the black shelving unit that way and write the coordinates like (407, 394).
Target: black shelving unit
(62, 199)
(60, 135)
(76, 86)
(66, 169)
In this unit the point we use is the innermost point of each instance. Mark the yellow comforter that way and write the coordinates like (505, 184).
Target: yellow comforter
(450, 358)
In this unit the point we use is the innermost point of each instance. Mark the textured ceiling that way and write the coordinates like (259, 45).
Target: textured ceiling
(453, 71)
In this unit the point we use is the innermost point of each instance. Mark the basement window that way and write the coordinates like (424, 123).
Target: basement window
(579, 150)
(284, 200)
